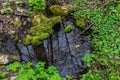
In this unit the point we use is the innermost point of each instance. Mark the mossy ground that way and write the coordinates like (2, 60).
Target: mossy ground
(103, 63)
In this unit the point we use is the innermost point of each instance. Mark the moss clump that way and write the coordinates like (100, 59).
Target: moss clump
(80, 23)
(17, 22)
(60, 10)
(68, 29)
(41, 30)
(39, 19)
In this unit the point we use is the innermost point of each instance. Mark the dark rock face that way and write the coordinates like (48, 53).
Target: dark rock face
(65, 50)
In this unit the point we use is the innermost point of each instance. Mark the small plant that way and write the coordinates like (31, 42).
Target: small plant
(68, 29)
(3, 76)
(37, 4)
(29, 11)
(87, 58)
(28, 72)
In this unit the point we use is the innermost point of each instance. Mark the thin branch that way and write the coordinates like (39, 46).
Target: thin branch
(86, 29)
(105, 4)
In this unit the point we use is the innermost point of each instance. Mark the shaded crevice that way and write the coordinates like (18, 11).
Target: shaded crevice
(40, 53)
(19, 51)
(66, 38)
(51, 50)
(29, 53)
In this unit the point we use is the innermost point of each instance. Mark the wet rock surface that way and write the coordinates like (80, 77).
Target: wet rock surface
(63, 50)
(66, 50)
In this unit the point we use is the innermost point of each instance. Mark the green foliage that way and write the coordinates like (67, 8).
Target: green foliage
(39, 72)
(80, 23)
(14, 66)
(104, 62)
(3, 76)
(37, 4)
(87, 58)
(29, 11)
(68, 29)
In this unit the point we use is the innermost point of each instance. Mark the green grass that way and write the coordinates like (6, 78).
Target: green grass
(104, 61)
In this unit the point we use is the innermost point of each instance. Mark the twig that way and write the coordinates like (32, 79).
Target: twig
(105, 4)
(86, 29)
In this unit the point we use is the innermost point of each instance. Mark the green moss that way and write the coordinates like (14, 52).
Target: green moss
(44, 36)
(16, 22)
(36, 40)
(41, 30)
(39, 19)
(27, 40)
(60, 10)
(68, 29)
(80, 23)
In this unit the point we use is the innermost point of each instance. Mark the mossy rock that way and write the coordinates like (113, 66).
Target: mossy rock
(60, 10)
(41, 30)
(81, 23)
(39, 19)
(17, 22)
(7, 58)
(68, 29)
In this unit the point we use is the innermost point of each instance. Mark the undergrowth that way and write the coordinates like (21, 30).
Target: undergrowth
(104, 61)
(30, 72)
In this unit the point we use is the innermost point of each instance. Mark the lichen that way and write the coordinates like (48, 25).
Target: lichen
(60, 10)
(41, 30)
(68, 29)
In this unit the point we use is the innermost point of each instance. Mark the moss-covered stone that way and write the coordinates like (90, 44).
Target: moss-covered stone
(17, 22)
(80, 23)
(39, 19)
(60, 10)
(68, 29)
(6, 58)
(41, 30)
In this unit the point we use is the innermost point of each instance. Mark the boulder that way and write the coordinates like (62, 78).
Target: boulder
(60, 10)
(7, 58)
